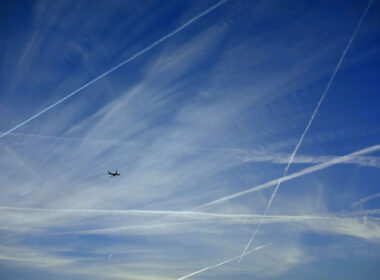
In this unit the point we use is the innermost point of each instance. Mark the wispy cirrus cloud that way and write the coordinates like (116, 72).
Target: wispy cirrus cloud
(209, 113)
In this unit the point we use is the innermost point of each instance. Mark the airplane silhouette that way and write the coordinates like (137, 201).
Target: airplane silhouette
(113, 174)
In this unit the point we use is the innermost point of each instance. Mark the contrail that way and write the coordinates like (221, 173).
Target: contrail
(361, 213)
(222, 263)
(229, 221)
(342, 223)
(305, 171)
(365, 199)
(309, 123)
(41, 136)
(333, 224)
(81, 140)
(284, 158)
(206, 216)
(171, 34)
(118, 212)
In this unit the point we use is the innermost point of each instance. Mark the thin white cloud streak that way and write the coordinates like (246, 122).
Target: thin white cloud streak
(181, 214)
(221, 263)
(65, 138)
(171, 34)
(308, 125)
(365, 199)
(356, 224)
(346, 223)
(362, 213)
(178, 225)
(337, 160)
(302, 159)
(217, 220)
(40, 136)
(353, 224)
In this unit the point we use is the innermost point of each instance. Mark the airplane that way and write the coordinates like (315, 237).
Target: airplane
(113, 174)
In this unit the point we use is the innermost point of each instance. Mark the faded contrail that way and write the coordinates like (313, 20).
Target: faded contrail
(41, 136)
(206, 216)
(365, 199)
(301, 220)
(305, 171)
(220, 264)
(309, 124)
(117, 212)
(338, 224)
(361, 213)
(118, 66)
(284, 158)
(96, 142)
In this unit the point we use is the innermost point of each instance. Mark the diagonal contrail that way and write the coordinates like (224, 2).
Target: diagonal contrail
(118, 66)
(365, 199)
(311, 169)
(221, 263)
(309, 124)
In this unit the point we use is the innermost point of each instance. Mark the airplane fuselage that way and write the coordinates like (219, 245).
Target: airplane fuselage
(113, 174)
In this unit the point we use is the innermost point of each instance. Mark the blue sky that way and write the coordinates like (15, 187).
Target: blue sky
(201, 124)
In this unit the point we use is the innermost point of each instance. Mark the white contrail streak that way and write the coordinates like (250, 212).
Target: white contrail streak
(365, 199)
(348, 224)
(302, 159)
(305, 171)
(117, 212)
(309, 123)
(221, 263)
(118, 66)
(226, 221)
(206, 216)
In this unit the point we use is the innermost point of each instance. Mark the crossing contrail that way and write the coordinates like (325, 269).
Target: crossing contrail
(171, 34)
(309, 124)
(311, 169)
